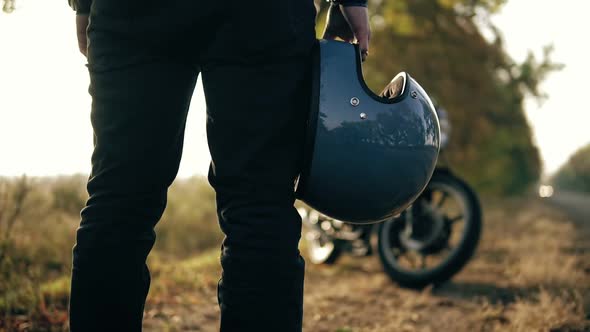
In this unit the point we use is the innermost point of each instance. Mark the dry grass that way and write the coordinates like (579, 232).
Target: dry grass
(533, 243)
(531, 273)
(528, 275)
(35, 257)
(185, 278)
(547, 312)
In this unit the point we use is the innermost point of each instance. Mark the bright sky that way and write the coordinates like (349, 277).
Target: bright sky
(44, 107)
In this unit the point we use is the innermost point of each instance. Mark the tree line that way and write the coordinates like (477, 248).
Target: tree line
(441, 43)
(575, 174)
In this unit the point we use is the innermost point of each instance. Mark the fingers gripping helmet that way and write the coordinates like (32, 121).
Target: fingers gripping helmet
(367, 156)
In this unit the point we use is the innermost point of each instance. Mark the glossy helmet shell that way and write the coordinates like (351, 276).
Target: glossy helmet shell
(367, 157)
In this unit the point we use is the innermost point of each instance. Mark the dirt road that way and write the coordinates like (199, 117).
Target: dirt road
(575, 205)
(531, 273)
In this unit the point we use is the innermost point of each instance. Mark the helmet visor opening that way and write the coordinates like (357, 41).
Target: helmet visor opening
(395, 88)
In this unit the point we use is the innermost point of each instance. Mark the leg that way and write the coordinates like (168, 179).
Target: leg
(255, 158)
(138, 116)
(257, 101)
(255, 162)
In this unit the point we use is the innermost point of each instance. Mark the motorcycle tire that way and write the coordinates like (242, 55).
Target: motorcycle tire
(457, 259)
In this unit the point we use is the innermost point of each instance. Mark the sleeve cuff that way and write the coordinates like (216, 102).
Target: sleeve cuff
(82, 7)
(350, 3)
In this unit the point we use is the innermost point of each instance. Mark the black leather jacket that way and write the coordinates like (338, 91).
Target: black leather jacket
(83, 6)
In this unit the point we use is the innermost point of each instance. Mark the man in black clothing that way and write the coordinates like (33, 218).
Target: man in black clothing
(143, 59)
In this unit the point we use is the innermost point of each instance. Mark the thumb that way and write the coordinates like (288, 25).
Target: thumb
(81, 26)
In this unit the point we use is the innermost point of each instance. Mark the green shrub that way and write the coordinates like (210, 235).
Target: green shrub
(189, 224)
(575, 174)
(35, 255)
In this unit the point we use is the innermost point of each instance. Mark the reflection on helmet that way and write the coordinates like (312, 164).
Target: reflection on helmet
(367, 157)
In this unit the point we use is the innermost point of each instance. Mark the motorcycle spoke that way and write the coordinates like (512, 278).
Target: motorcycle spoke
(455, 219)
(422, 261)
(442, 200)
(448, 247)
(410, 258)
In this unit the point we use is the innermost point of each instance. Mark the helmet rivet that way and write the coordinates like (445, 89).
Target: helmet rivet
(354, 101)
(414, 94)
(363, 116)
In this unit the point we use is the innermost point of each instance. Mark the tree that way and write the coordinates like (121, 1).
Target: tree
(441, 44)
(8, 6)
(12, 200)
(575, 174)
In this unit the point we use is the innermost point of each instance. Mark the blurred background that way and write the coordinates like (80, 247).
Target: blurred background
(511, 76)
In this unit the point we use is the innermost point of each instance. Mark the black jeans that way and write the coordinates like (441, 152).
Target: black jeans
(144, 58)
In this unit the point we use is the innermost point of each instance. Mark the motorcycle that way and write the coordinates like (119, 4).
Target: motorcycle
(426, 244)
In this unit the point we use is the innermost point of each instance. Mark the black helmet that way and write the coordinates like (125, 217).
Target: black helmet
(367, 156)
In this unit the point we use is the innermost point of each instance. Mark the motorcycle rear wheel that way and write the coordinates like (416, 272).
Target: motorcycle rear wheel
(394, 240)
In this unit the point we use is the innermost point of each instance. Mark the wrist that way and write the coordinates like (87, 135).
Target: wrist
(350, 3)
(82, 7)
